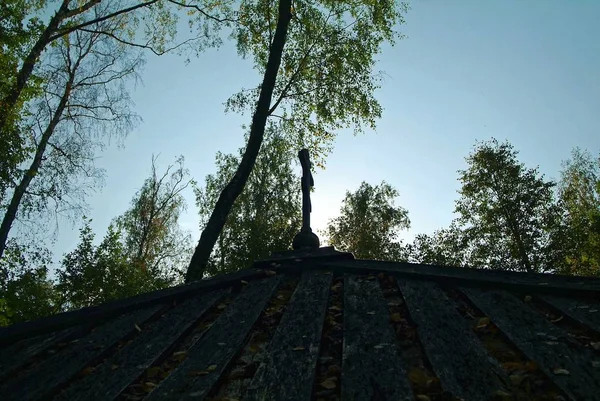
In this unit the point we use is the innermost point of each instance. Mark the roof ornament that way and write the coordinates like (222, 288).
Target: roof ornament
(306, 238)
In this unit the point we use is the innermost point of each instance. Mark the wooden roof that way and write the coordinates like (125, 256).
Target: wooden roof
(321, 326)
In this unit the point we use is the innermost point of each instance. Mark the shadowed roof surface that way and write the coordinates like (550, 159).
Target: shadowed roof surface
(321, 325)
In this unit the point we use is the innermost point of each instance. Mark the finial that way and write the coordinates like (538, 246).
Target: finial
(306, 238)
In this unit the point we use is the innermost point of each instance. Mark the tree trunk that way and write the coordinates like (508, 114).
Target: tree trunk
(236, 185)
(17, 197)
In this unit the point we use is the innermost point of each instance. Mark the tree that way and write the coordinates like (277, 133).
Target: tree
(15, 38)
(446, 247)
(91, 275)
(579, 196)
(26, 292)
(505, 210)
(320, 82)
(84, 101)
(157, 18)
(369, 224)
(152, 238)
(265, 217)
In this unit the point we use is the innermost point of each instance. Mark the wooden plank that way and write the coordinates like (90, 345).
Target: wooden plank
(210, 356)
(456, 355)
(567, 364)
(117, 372)
(59, 369)
(15, 356)
(93, 314)
(585, 311)
(371, 366)
(494, 279)
(288, 371)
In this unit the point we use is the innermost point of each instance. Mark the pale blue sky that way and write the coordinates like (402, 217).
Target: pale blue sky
(526, 71)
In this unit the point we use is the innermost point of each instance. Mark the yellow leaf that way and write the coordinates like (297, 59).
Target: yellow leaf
(527, 298)
(328, 384)
(484, 321)
(212, 368)
(222, 306)
(422, 397)
(197, 373)
(396, 317)
(299, 349)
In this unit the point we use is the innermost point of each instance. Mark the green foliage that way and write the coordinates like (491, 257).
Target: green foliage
(325, 81)
(26, 292)
(265, 217)
(579, 234)
(506, 210)
(91, 275)
(369, 224)
(16, 37)
(152, 237)
(444, 247)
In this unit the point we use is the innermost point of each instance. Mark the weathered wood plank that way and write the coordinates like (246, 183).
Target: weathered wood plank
(117, 372)
(456, 355)
(112, 309)
(567, 364)
(585, 311)
(209, 357)
(371, 366)
(494, 279)
(15, 356)
(288, 371)
(59, 369)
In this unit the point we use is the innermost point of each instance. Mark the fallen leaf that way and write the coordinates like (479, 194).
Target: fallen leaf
(595, 346)
(299, 349)
(419, 377)
(334, 370)
(396, 317)
(244, 282)
(137, 327)
(212, 368)
(222, 306)
(269, 273)
(557, 320)
(371, 313)
(559, 371)
(527, 298)
(484, 321)
(335, 308)
(197, 373)
(221, 344)
(150, 384)
(422, 397)
(113, 367)
(328, 384)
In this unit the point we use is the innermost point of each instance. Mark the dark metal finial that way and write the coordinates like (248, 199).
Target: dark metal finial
(306, 238)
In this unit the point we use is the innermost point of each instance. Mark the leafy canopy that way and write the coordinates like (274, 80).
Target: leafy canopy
(369, 223)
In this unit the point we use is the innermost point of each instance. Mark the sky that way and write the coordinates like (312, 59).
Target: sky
(522, 71)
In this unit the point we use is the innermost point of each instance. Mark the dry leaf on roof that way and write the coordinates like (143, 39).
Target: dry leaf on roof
(328, 384)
